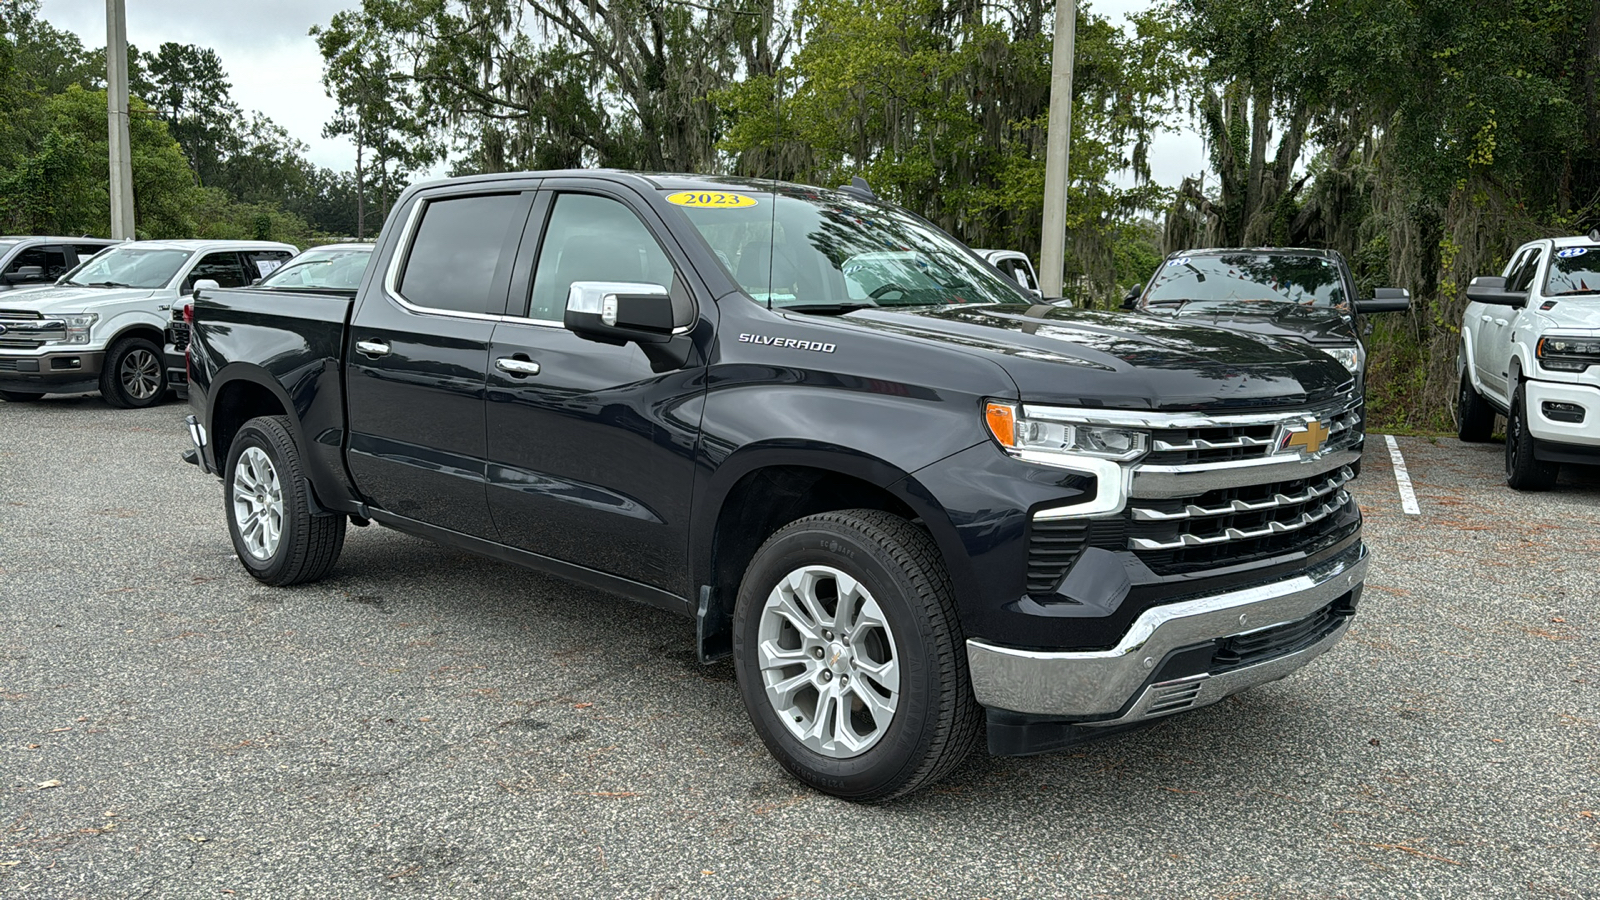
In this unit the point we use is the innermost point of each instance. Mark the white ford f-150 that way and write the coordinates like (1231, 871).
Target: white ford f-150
(100, 327)
(1530, 350)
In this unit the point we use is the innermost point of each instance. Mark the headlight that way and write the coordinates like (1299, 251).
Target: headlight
(1567, 354)
(1039, 436)
(78, 327)
(1350, 357)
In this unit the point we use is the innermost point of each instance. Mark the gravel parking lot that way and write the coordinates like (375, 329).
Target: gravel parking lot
(428, 723)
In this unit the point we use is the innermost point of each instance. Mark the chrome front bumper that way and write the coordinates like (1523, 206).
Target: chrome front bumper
(1100, 684)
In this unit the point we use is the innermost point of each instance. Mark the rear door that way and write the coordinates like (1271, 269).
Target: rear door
(590, 446)
(419, 348)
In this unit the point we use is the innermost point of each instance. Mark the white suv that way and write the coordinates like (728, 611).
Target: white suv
(1530, 350)
(100, 327)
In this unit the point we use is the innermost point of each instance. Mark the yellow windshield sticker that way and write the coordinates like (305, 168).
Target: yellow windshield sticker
(711, 199)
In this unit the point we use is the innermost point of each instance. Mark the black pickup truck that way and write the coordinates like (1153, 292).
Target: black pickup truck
(903, 495)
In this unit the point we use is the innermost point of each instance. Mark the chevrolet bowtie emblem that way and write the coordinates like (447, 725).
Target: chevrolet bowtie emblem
(1310, 440)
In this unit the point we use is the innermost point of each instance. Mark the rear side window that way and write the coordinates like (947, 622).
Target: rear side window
(457, 246)
(223, 268)
(593, 239)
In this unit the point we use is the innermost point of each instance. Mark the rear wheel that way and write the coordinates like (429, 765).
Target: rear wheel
(1474, 415)
(1523, 471)
(20, 396)
(134, 375)
(278, 539)
(849, 656)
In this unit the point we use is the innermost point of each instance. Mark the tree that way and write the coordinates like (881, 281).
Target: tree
(375, 107)
(189, 89)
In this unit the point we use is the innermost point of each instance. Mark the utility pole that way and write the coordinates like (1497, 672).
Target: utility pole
(117, 119)
(1058, 143)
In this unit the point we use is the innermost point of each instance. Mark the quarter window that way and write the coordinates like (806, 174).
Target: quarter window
(592, 238)
(453, 257)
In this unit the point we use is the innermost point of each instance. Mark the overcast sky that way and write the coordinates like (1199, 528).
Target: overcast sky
(276, 69)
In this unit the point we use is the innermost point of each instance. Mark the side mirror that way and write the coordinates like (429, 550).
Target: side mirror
(25, 275)
(1130, 300)
(204, 284)
(1061, 302)
(1491, 289)
(616, 312)
(1385, 300)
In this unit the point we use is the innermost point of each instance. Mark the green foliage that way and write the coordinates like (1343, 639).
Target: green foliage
(943, 110)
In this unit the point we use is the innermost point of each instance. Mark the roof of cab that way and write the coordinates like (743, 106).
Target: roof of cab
(1285, 251)
(57, 239)
(193, 245)
(659, 181)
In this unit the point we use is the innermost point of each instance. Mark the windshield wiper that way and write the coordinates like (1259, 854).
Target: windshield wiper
(104, 284)
(827, 309)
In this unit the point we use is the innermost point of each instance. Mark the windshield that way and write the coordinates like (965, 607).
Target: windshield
(1575, 270)
(1248, 278)
(135, 267)
(829, 251)
(338, 269)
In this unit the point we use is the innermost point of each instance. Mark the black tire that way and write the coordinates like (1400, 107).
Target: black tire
(1474, 415)
(307, 545)
(134, 374)
(20, 396)
(935, 721)
(1523, 471)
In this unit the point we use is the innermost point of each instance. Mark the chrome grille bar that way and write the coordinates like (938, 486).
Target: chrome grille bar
(1308, 517)
(1192, 511)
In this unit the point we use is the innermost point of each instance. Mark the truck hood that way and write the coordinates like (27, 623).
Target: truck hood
(1071, 357)
(1580, 313)
(70, 299)
(1313, 324)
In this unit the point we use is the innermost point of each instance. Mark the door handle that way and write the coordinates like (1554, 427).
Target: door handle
(372, 348)
(518, 368)
(1487, 318)
(1499, 321)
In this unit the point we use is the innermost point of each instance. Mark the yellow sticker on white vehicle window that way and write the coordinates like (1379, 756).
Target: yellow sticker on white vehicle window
(711, 199)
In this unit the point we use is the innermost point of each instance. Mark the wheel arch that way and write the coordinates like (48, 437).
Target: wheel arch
(238, 394)
(760, 489)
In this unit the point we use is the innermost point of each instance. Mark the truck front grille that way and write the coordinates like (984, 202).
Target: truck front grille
(25, 331)
(1214, 491)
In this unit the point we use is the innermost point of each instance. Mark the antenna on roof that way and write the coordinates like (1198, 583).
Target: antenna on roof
(858, 188)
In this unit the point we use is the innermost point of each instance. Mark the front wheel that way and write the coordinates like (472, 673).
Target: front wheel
(278, 539)
(133, 377)
(850, 658)
(1523, 471)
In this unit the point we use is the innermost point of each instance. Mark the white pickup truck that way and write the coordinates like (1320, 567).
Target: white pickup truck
(100, 327)
(1530, 350)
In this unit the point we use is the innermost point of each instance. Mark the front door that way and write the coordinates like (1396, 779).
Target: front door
(590, 447)
(419, 348)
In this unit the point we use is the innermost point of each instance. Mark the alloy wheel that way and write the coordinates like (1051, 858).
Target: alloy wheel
(140, 374)
(258, 503)
(829, 661)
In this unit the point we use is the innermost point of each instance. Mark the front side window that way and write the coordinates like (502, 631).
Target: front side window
(1522, 278)
(452, 260)
(1573, 272)
(1247, 281)
(825, 250)
(50, 261)
(592, 238)
(131, 266)
(265, 262)
(223, 268)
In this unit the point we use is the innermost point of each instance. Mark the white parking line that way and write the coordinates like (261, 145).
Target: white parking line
(1408, 497)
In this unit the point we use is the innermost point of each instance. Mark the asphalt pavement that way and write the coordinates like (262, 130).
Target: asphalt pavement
(427, 723)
